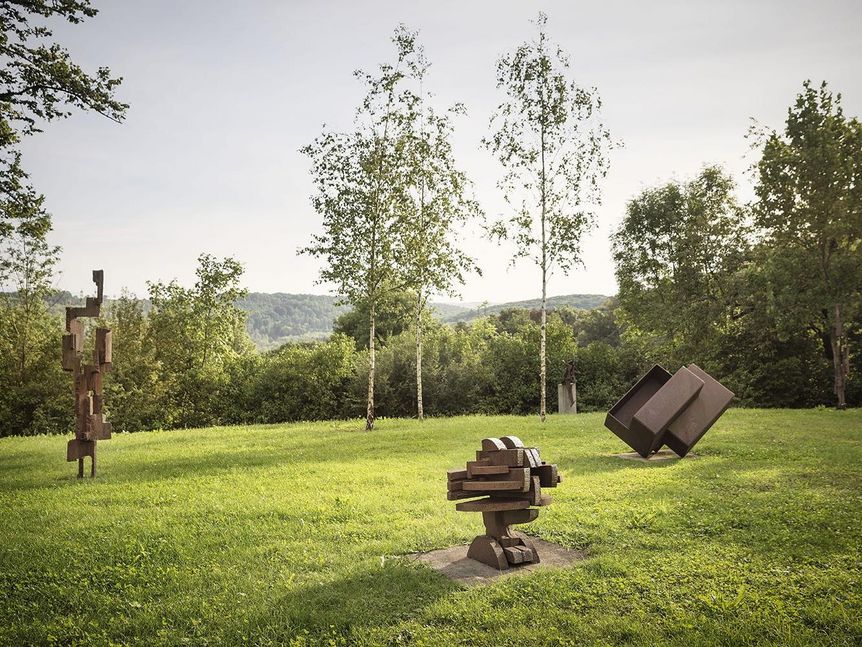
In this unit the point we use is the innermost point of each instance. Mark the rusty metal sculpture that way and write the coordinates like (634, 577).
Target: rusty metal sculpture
(510, 477)
(567, 391)
(90, 425)
(673, 410)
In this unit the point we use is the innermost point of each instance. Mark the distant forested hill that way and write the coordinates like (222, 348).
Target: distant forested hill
(276, 318)
(577, 301)
(279, 317)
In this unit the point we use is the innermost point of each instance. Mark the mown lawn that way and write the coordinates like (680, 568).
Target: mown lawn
(295, 534)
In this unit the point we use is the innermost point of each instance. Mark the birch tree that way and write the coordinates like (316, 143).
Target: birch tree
(441, 205)
(549, 139)
(361, 185)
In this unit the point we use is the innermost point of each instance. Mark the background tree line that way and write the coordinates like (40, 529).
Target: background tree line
(766, 296)
(176, 366)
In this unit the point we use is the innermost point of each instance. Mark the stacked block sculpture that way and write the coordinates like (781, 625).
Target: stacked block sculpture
(510, 477)
(663, 409)
(90, 424)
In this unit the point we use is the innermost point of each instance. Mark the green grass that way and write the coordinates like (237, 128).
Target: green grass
(295, 534)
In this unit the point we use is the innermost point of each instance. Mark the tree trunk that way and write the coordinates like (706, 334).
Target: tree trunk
(542, 368)
(542, 359)
(369, 413)
(420, 412)
(840, 356)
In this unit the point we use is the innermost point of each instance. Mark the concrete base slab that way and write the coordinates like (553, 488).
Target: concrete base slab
(660, 455)
(454, 563)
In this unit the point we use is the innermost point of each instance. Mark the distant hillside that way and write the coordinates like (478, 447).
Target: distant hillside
(446, 311)
(279, 317)
(276, 318)
(577, 301)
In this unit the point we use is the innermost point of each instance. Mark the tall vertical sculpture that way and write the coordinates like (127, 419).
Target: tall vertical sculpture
(90, 425)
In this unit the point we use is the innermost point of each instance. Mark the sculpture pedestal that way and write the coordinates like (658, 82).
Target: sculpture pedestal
(501, 546)
(500, 553)
(567, 402)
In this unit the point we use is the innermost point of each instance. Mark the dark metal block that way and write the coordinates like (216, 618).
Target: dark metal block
(77, 449)
(652, 419)
(619, 418)
(690, 426)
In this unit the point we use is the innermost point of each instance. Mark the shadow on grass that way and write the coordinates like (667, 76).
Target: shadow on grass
(600, 463)
(372, 597)
(180, 459)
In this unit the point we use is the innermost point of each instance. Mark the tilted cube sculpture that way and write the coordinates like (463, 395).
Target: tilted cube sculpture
(663, 409)
(90, 424)
(510, 477)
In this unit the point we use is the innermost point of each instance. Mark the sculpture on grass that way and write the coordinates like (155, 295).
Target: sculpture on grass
(567, 391)
(510, 477)
(663, 409)
(90, 425)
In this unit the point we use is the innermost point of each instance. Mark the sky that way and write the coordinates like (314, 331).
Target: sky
(224, 94)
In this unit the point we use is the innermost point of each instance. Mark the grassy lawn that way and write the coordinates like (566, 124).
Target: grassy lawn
(295, 534)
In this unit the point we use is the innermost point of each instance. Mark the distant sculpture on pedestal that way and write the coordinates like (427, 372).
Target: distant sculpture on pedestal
(90, 425)
(510, 477)
(567, 392)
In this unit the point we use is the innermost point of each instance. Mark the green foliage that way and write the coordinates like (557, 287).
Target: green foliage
(135, 389)
(296, 382)
(766, 303)
(576, 301)
(392, 316)
(195, 332)
(809, 209)
(553, 148)
(38, 79)
(298, 535)
(678, 252)
(36, 397)
(38, 83)
(359, 180)
(33, 390)
(362, 181)
(432, 260)
(274, 319)
(197, 327)
(440, 204)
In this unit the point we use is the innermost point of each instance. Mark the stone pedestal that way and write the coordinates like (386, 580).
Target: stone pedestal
(567, 398)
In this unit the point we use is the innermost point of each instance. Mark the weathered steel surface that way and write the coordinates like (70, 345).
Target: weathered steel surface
(652, 419)
(664, 409)
(567, 390)
(510, 477)
(690, 426)
(90, 424)
(619, 418)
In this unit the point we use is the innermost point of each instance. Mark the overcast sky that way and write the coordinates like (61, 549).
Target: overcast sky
(223, 94)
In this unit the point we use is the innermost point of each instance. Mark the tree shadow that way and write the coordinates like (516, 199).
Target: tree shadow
(372, 596)
(176, 458)
(607, 462)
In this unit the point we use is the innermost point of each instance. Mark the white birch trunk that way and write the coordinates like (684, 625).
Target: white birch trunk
(420, 412)
(369, 414)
